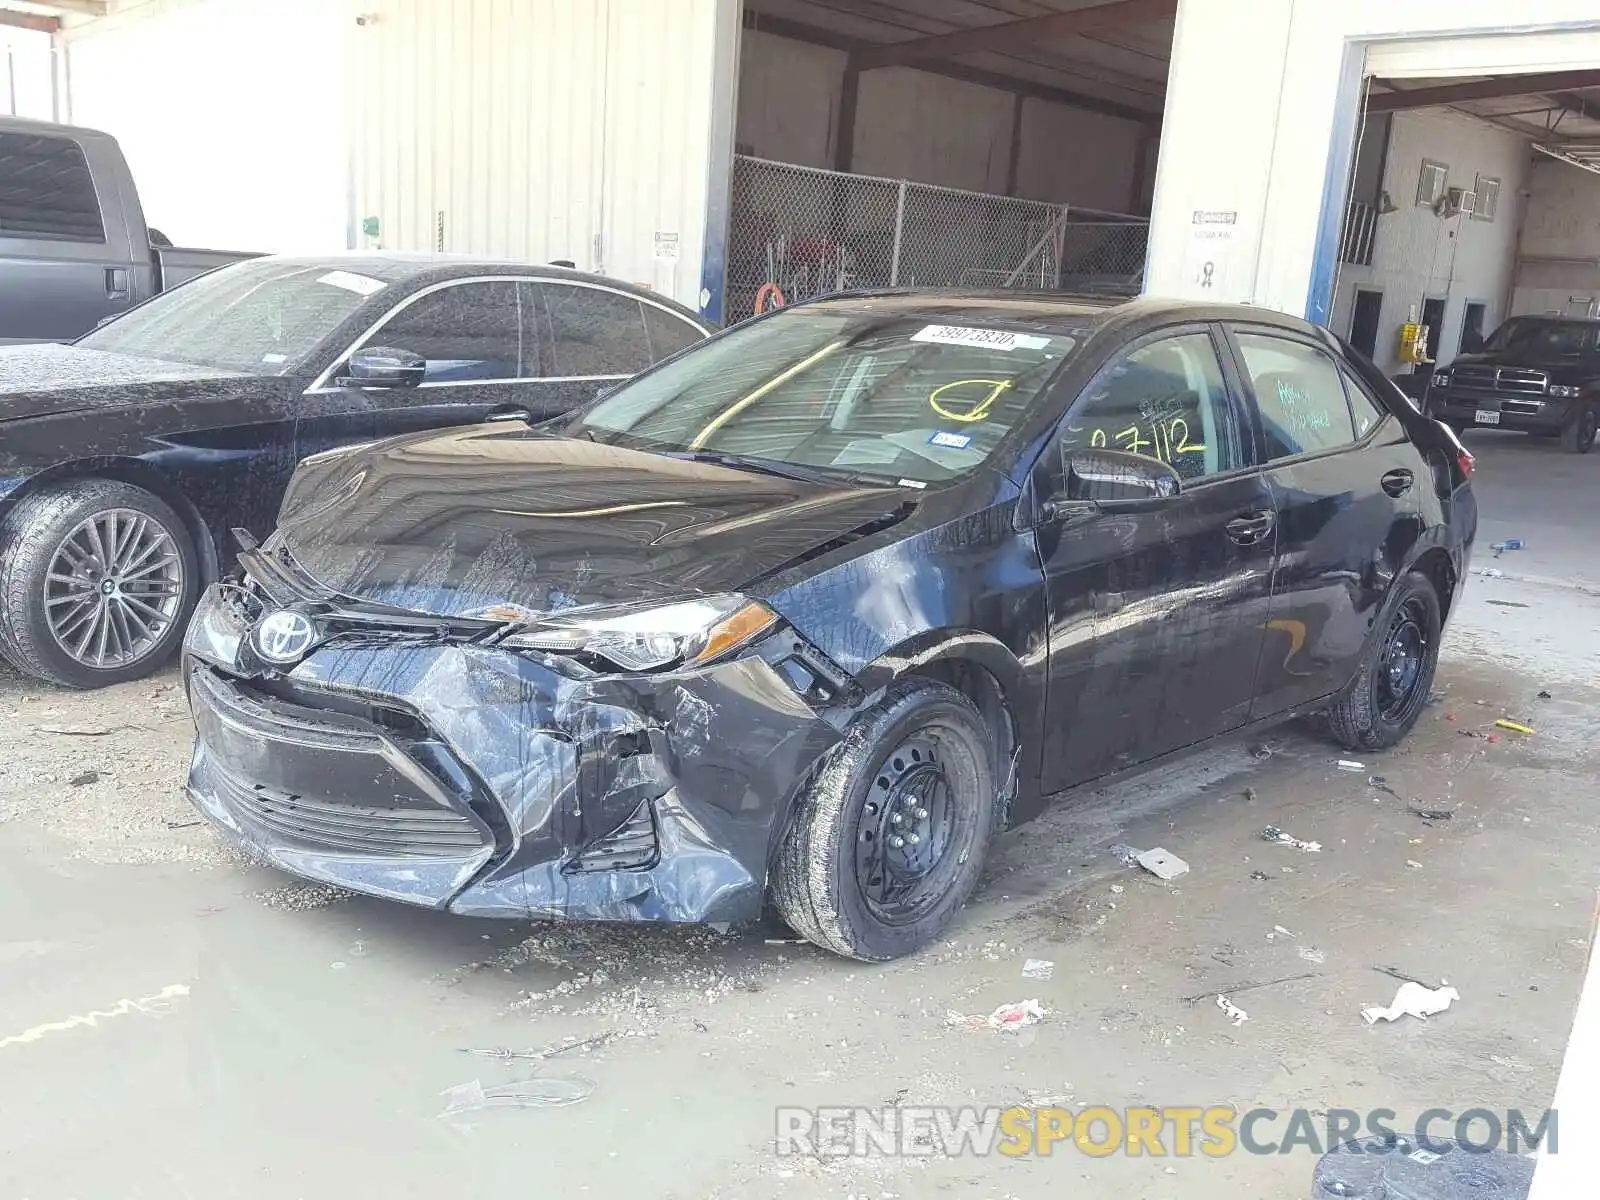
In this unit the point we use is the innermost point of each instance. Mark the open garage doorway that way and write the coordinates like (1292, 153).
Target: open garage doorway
(940, 143)
(1473, 198)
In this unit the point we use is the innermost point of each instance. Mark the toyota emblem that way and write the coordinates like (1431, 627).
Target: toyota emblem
(285, 635)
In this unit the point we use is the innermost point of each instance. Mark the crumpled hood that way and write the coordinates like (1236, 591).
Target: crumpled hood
(454, 523)
(45, 380)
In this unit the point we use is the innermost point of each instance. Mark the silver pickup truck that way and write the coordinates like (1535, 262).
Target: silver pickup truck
(74, 248)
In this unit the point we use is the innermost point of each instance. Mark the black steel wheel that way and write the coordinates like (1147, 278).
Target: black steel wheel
(97, 580)
(1579, 434)
(887, 840)
(1391, 688)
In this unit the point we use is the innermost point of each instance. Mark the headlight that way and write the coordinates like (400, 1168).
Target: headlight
(1559, 389)
(643, 639)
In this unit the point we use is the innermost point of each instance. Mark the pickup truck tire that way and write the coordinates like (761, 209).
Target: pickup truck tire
(97, 581)
(887, 839)
(1392, 685)
(1578, 436)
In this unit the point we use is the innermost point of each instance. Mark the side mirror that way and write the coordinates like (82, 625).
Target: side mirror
(384, 367)
(1114, 478)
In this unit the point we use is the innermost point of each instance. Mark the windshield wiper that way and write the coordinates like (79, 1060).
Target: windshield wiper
(770, 466)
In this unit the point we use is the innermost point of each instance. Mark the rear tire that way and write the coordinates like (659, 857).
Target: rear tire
(1579, 434)
(923, 754)
(1391, 689)
(97, 581)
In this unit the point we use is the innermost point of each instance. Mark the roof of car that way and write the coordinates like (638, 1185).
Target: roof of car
(404, 266)
(1044, 309)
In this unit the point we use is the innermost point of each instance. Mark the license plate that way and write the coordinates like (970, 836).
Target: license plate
(1487, 417)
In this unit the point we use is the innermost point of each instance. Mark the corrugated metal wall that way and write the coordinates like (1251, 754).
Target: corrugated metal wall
(541, 129)
(231, 114)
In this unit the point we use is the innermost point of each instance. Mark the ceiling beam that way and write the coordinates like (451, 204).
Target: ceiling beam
(1577, 105)
(1009, 35)
(1483, 89)
(799, 31)
(28, 20)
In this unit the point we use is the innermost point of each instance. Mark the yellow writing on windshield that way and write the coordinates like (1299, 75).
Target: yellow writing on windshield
(997, 387)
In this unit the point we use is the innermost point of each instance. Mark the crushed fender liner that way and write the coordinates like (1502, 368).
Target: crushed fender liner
(435, 769)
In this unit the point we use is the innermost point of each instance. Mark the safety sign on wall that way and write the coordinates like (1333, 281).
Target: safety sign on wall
(1209, 260)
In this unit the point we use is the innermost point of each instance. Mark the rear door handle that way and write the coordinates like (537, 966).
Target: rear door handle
(1251, 527)
(1397, 482)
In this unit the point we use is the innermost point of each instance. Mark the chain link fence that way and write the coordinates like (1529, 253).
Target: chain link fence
(798, 232)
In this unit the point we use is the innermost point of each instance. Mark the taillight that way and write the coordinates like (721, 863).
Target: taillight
(1464, 461)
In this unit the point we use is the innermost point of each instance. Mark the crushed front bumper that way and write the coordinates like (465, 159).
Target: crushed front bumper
(489, 782)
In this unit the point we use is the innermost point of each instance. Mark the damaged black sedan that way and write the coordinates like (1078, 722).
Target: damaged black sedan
(809, 613)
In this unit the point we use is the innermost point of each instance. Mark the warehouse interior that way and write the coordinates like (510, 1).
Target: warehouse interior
(944, 143)
(1471, 200)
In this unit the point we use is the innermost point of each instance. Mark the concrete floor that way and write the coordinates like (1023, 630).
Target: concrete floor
(176, 1023)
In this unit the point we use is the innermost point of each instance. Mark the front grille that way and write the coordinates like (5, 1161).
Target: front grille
(355, 829)
(1514, 380)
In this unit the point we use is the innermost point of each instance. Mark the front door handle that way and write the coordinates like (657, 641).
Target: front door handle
(1397, 482)
(509, 414)
(1250, 528)
(117, 283)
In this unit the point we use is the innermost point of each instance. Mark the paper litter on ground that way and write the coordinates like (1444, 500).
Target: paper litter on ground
(1006, 1017)
(1413, 1000)
(1273, 834)
(1232, 1011)
(1038, 968)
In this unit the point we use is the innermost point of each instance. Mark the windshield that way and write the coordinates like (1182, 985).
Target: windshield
(858, 393)
(263, 317)
(1540, 338)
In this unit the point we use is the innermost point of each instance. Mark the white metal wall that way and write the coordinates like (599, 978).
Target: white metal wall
(26, 81)
(540, 129)
(1559, 270)
(1254, 114)
(231, 114)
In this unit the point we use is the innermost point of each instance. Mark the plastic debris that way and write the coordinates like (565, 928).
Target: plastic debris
(1491, 572)
(1413, 864)
(589, 1043)
(528, 1093)
(1493, 737)
(1413, 1000)
(1431, 814)
(1312, 955)
(1038, 968)
(1282, 930)
(1382, 784)
(1163, 864)
(1261, 751)
(1007, 1017)
(1509, 544)
(1278, 837)
(1127, 855)
(1514, 726)
(1546, 696)
(1347, 764)
(84, 779)
(1232, 1011)
(1261, 875)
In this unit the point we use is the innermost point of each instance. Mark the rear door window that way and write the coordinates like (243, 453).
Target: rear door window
(1299, 394)
(592, 332)
(467, 332)
(668, 332)
(46, 190)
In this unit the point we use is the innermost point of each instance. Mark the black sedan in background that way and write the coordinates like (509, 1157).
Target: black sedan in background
(127, 457)
(809, 612)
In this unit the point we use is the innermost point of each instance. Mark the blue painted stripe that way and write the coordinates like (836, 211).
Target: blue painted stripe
(1336, 184)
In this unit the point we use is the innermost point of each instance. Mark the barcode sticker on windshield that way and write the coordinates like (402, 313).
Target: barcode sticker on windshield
(987, 339)
(361, 285)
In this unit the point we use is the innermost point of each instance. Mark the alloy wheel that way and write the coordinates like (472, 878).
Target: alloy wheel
(114, 587)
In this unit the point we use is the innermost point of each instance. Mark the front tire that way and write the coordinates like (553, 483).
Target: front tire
(1579, 434)
(1392, 686)
(888, 838)
(97, 581)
